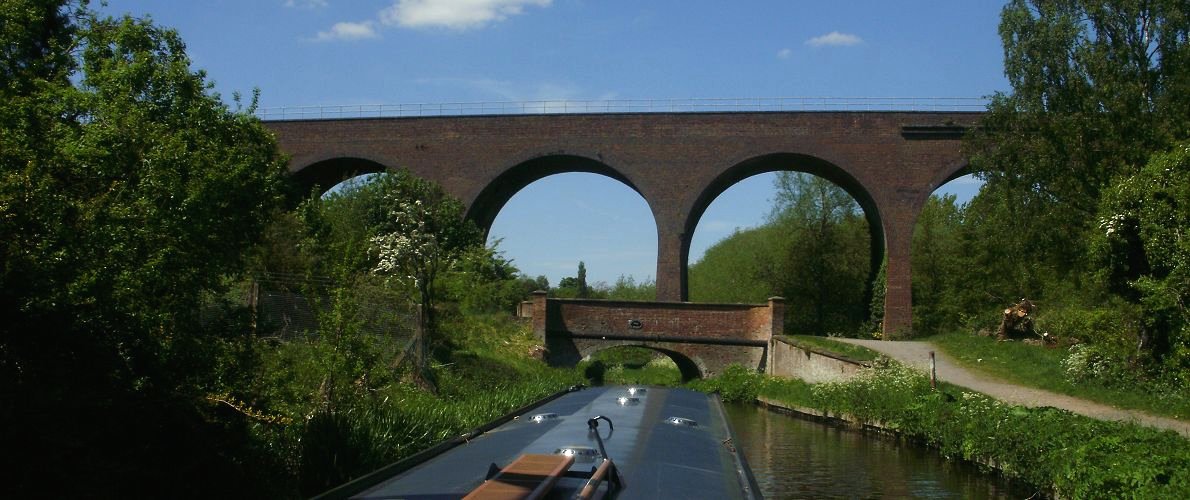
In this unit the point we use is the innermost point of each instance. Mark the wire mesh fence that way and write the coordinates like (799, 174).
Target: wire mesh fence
(292, 306)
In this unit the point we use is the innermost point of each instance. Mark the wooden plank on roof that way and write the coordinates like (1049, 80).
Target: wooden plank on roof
(528, 477)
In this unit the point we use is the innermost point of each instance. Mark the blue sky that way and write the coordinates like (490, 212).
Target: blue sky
(331, 52)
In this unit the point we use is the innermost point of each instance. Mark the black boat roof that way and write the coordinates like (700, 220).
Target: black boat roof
(664, 442)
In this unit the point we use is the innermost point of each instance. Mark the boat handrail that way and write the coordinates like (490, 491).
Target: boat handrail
(597, 477)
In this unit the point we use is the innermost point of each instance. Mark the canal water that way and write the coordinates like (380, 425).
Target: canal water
(796, 458)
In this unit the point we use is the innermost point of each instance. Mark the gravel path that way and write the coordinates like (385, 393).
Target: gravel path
(917, 354)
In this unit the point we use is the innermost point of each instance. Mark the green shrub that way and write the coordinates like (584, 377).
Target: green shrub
(1089, 363)
(785, 389)
(1113, 326)
(342, 409)
(630, 365)
(736, 384)
(875, 395)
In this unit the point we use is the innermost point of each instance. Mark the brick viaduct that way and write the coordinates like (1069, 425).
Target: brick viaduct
(890, 162)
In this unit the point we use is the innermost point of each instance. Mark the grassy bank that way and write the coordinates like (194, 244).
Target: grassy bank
(1043, 368)
(840, 349)
(334, 409)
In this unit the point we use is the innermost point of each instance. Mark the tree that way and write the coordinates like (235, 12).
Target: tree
(626, 288)
(530, 285)
(128, 189)
(483, 281)
(581, 281)
(1097, 88)
(813, 250)
(129, 192)
(737, 268)
(575, 287)
(424, 235)
(938, 269)
(1144, 250)
(824, 272)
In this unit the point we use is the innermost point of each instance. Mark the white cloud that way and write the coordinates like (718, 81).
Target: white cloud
(454, 14)
(834, 39)
(784, 53)
(348, 31)
(305, 4)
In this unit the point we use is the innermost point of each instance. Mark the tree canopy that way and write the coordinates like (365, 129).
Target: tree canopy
(1096, 88)
(1100, 94)
(422, 235)
(129, 192)
(813, 251)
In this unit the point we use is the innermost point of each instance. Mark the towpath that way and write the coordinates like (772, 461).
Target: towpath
(917, 354)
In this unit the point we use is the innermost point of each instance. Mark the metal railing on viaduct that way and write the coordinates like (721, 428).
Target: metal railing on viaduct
(573, 106)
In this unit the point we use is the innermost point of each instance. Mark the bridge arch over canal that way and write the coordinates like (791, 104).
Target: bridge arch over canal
(703, 339)
(689, 368)
(678, 162)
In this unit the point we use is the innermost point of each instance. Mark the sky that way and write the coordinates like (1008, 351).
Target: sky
(347, 52)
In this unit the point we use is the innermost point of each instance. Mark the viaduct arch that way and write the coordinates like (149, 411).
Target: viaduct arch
(794, 162)
(678, 162)
(496, 194)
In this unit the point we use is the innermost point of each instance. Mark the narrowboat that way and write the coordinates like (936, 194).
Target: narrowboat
(621, 442)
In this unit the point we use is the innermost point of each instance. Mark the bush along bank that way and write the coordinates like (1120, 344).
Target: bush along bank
(1065, 454)
(329, 409)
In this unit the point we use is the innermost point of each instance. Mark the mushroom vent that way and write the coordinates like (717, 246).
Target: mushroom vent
(685, 422)
(581, 454)
(543, 417)
(628, 401)
(637, 391)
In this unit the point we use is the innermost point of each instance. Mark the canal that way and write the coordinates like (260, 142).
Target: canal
(796, 458)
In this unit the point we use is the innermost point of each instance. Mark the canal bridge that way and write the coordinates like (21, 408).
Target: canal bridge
(679, 162)
(702, 339)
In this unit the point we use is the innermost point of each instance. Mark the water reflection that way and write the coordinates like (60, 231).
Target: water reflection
(794, 458)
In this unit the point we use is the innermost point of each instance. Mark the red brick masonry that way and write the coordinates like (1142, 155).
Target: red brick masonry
(679, 163)
(702, 338)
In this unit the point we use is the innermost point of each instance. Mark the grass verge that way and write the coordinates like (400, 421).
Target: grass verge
(840, 349)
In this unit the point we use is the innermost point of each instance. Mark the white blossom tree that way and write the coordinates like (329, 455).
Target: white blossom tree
(423, 234)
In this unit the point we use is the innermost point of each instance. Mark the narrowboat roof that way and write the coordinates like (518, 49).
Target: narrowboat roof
(664, 443)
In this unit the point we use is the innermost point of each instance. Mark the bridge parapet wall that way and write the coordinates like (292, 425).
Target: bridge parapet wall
(790, 360)
(711, 336)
